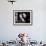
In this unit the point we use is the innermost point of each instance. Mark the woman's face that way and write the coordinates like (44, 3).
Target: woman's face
(24, 15)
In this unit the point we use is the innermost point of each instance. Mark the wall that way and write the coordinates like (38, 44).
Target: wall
(37, 31)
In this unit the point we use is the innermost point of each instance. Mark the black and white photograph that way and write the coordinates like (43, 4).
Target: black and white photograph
(22, 17)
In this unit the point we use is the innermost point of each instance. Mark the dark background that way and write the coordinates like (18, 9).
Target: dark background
(27, 19)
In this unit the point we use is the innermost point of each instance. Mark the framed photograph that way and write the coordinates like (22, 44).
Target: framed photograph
(22, 17)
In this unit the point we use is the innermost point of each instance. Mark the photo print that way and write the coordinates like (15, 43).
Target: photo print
(22, 17)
